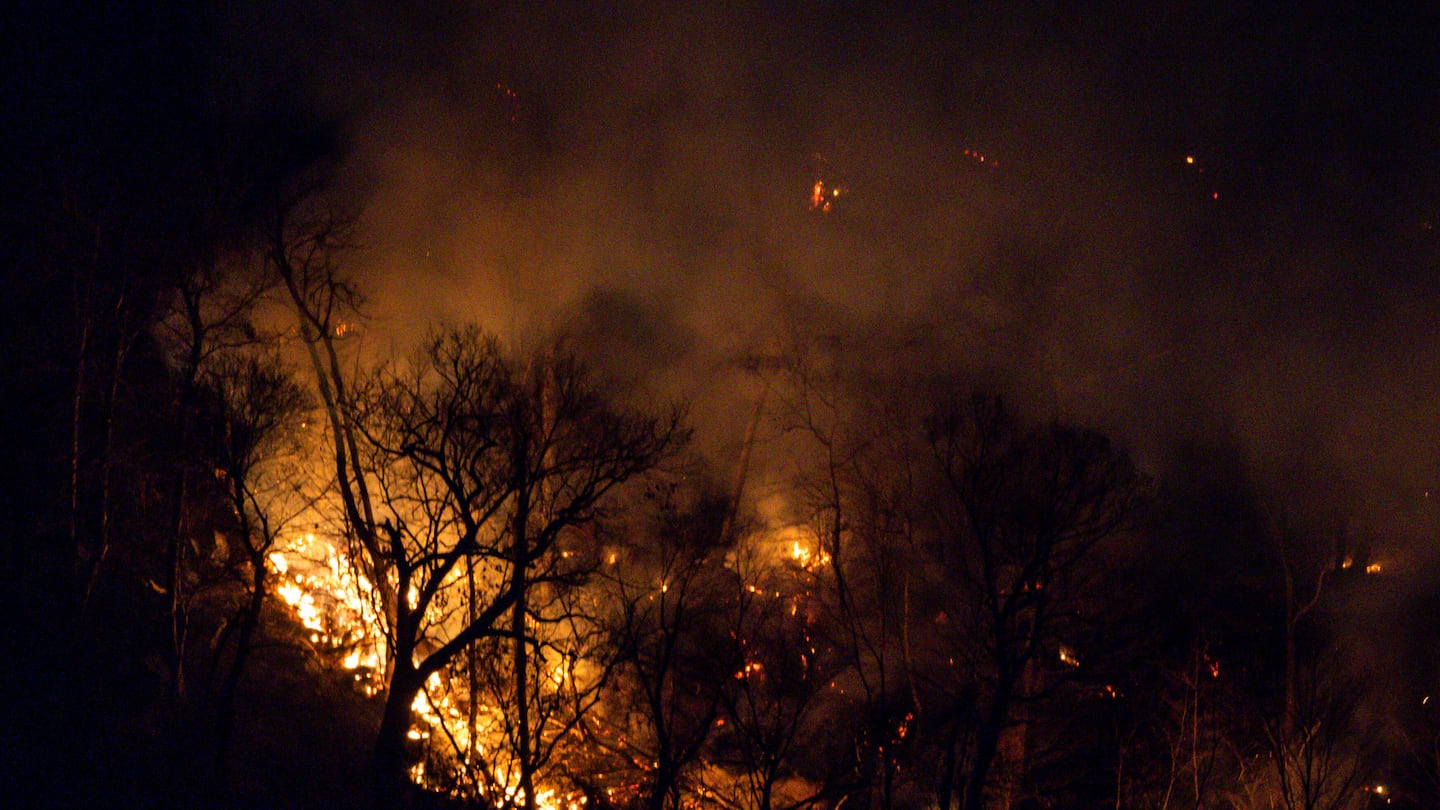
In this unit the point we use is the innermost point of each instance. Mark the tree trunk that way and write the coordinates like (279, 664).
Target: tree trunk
(987, 743)
(175, 543)
(945, 791)
(517, 628)
(249, 621)
(389, 763)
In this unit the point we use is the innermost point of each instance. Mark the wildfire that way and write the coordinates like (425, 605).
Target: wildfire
(1068, 657)
(808, 558)
(510, 101)
(460, 733)
(463, 732)
(334, 602)
(822, 197)
(826, 190)
(904, 728)
(1370, 568)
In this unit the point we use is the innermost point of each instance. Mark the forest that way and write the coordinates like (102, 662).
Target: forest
(266, 549)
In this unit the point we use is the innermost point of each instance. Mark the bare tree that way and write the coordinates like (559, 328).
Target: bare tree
(465, 464)
(857, 499)
(261, 452)
(209, 318)
(1320, 749)
(1179, 747)
(1316, 742)
(675, 650)
(1019, 512)
(778, 746)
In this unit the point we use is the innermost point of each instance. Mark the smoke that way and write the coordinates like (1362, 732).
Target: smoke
(640, 175)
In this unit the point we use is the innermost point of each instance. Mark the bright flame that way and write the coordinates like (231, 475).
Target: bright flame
(335, 603)
(339, 609)
(808, 558)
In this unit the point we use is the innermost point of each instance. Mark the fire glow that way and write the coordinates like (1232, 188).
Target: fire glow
(463, 737)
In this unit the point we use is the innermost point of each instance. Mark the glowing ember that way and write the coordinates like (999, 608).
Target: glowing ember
(751, 669)
(822, 197)
(1068, 657)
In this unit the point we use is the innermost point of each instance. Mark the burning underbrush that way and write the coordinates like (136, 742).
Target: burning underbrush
(582, 680)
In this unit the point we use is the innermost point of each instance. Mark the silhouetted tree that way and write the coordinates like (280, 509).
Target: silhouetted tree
(856, 499)
(1019, 512)
(673, 615)
(261, 454)
(777, 747)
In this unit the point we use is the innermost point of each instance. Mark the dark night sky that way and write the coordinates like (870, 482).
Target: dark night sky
(647, 167)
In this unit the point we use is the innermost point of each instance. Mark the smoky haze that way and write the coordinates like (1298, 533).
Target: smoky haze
(1202, 225)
